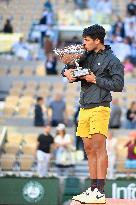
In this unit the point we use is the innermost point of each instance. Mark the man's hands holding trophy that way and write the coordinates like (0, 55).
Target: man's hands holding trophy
(70, 56)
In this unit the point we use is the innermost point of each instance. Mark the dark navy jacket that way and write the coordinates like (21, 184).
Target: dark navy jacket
(109, 74)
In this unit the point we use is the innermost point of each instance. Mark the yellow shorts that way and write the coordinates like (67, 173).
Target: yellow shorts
(92, 121)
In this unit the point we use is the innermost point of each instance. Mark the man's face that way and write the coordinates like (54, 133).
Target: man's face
(58, 97)
(41, 102)
(90, 44)
(47, 129)
(133, 1)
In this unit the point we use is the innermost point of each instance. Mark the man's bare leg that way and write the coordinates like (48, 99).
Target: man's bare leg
(92, 161)
(91, 155)
(95, 148)
(99, 144)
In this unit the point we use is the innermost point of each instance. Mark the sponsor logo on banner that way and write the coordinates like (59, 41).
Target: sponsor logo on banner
(128, 192)
(33, 191)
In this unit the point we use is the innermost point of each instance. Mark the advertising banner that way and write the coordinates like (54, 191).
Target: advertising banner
(119, 189)
(21, 191)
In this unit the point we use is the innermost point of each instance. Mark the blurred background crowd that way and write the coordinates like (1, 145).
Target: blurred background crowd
(33, 94)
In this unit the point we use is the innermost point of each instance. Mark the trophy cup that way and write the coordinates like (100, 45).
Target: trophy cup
(71, 55)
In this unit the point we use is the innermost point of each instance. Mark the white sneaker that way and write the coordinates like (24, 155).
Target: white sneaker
(90, 197)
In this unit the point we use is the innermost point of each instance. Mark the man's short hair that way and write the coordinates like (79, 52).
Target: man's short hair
(95, 32)
(39, 99)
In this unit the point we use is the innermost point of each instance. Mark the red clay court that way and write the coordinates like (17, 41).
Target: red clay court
(112, 202)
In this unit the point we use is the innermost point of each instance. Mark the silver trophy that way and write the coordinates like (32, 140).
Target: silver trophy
(71, 55)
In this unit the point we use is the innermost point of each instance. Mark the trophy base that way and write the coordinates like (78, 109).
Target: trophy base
(79, 72)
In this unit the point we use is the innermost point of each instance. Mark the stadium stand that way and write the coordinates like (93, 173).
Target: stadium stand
(7, 161)
(22, 24)
(22, 96)
(26, 161)
(22, 17)
(18, 153)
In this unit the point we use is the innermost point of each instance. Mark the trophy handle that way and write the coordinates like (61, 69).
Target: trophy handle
(76, 63)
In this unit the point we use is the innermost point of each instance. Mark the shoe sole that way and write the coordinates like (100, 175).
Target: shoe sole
(87, 203)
